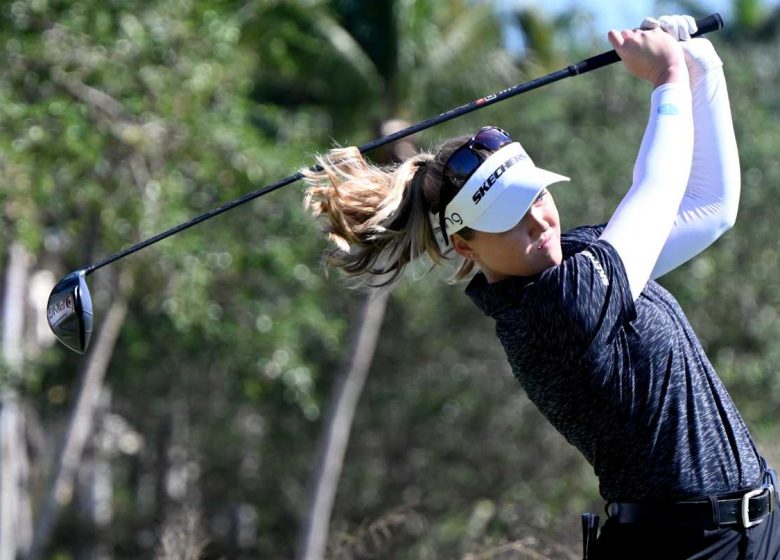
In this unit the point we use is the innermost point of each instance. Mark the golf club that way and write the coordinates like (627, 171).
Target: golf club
(69, 309)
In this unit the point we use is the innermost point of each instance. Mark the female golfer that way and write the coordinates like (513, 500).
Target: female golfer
(603, 351)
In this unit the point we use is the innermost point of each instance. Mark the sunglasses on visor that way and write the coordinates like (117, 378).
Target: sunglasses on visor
(462, 164)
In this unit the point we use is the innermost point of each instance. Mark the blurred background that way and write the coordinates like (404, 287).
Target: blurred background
(236, 402)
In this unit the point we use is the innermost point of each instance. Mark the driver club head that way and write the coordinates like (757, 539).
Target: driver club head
(69, 311)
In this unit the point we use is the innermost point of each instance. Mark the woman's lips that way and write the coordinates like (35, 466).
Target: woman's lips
(545, 241)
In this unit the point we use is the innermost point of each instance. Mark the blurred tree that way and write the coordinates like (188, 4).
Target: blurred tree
(749, 13)
(118, 121)
(748, 20)
(369, 63)
(15, 512)
(396, 38)
(227, 351)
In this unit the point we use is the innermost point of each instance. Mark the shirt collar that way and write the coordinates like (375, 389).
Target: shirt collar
(493, 298)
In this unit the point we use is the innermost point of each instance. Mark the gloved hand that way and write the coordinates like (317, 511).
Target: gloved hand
(679, 27)
(700, 55)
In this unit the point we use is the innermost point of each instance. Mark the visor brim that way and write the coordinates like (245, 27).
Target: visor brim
(509, 207)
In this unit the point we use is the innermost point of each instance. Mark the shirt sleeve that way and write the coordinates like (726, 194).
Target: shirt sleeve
(581, 302)
(709, 206)
(640, 226)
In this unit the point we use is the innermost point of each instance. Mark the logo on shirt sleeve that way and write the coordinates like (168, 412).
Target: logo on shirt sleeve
(598, 267)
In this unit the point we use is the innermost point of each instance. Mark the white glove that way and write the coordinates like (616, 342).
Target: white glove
(700, 55)
(679, 27)
(700, 58)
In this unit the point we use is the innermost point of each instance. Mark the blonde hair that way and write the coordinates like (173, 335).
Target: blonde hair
(379, 218)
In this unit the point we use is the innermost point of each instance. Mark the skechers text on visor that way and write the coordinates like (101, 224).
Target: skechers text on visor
(499, 193)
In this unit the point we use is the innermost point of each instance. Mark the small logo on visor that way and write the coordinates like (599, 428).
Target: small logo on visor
(454, 219)
(480, 193)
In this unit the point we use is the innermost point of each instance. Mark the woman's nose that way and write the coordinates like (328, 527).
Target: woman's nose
(537, 218)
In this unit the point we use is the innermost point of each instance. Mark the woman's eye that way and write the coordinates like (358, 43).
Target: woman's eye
(540, 196)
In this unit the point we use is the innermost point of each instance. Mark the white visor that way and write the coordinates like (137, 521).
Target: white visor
(499, 193)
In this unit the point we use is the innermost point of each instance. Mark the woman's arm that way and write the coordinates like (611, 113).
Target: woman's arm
(641, 224)
(709, 206)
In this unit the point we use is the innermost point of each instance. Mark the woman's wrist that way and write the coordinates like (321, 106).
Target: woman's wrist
(674, 74)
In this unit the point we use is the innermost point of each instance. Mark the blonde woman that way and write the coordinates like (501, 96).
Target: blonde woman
(603, 351)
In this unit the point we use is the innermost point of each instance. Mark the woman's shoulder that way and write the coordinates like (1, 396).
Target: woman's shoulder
(576, 239)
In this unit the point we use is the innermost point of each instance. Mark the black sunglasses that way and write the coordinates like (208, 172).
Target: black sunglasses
(462, 164)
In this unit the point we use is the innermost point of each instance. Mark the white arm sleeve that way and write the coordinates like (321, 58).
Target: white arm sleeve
(709, 206)
(644, 218)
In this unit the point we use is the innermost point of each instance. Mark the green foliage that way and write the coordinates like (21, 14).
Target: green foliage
(748, 13)
(121, 119)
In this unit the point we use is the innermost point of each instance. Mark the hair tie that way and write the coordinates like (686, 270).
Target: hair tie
(417, 182)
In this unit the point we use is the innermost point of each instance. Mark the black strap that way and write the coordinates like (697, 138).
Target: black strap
(715, 510)
(709, 512)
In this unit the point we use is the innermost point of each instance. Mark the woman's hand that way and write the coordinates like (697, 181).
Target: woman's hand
(651, 55)
(700, 55)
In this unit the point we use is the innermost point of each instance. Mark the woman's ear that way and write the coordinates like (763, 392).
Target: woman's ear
(462, 246)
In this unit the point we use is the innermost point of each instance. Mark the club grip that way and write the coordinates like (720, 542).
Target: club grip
(707, 24)
(712, 22)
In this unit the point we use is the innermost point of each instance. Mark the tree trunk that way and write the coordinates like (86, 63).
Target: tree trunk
(15, 514)
(95, 487)
(16, 279)
(182, 536)
(334, 437)
(81, 422)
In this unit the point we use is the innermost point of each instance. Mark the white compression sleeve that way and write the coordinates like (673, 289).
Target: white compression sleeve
(644, 218)
(709, 206)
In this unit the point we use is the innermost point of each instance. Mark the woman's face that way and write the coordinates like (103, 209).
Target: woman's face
(530, 247)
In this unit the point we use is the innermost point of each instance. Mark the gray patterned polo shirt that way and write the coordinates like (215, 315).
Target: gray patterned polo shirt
(626, 382)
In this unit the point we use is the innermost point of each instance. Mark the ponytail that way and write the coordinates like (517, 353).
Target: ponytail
(379, 218)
